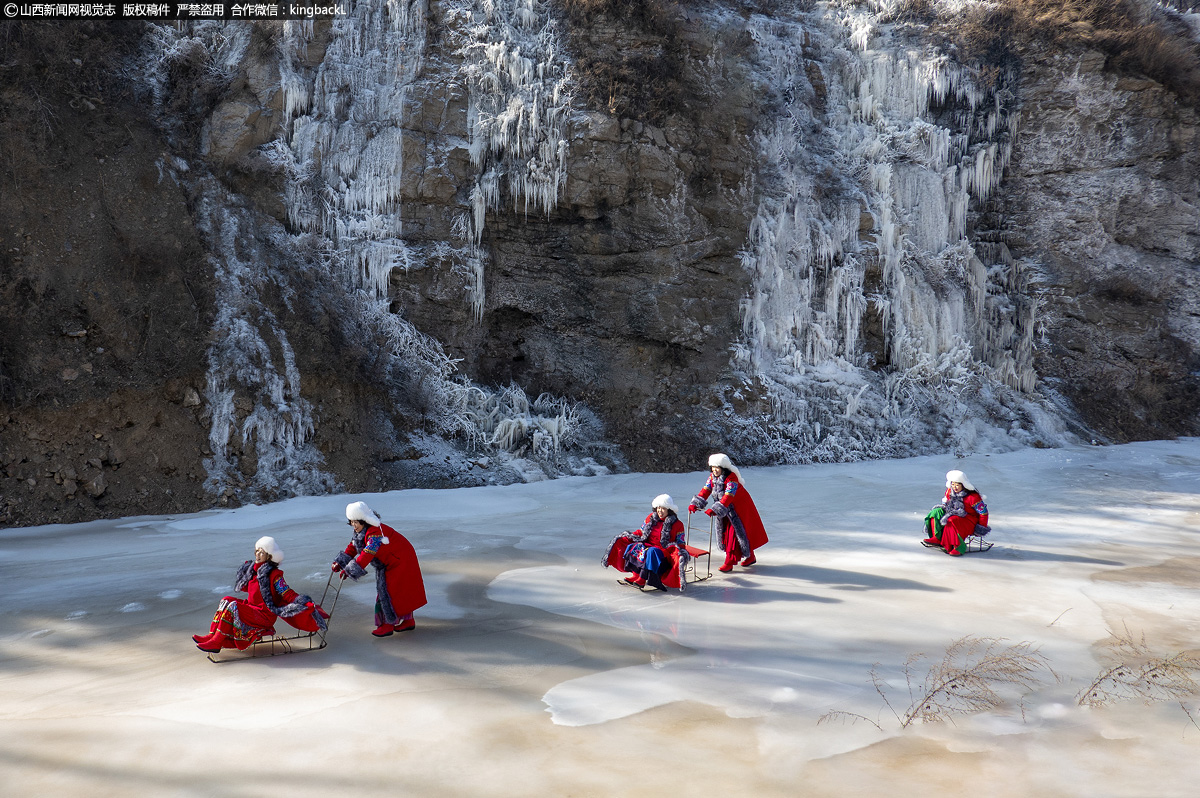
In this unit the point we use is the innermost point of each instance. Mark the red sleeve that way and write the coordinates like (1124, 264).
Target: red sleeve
(677, 532)
(707, 489)
(981, 509)
(372, 544)
(283, 593)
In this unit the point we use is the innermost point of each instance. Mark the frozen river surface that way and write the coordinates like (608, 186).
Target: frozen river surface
(532, 672)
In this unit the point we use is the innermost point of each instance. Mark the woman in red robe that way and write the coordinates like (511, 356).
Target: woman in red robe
(962, 514)
(742, 529)
(399, 588)
(654, 555)
(239, 623)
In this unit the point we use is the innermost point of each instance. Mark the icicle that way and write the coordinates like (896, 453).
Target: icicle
(518, 104)
(944, 322)
(347, 134)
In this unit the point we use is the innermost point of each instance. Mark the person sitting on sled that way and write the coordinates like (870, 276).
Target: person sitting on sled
(741, 528)
(654, 555)
(399, 588)
(961, 514)
(239, 623)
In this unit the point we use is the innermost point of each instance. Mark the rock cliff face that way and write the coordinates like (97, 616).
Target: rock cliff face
(107, 298)
(1103, 195)
(189, 317)
(626, 295)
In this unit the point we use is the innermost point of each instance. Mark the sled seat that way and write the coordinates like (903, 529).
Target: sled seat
(692, 571)
(974, 542)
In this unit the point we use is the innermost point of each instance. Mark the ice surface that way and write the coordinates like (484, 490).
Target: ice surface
(533, 671)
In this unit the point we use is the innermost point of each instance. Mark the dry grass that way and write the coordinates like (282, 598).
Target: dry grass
(1133, 672)
(1137, 36)
(976, 674)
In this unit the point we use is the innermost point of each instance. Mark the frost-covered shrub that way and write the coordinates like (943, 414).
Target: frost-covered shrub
(507, 421)
(188, 66)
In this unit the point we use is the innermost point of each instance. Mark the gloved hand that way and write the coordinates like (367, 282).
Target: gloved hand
(342, 574)
(335, 568)
(710, 511)
(692, 508)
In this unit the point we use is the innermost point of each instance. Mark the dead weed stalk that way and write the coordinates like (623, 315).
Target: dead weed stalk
(1132, 671)
(975, 674)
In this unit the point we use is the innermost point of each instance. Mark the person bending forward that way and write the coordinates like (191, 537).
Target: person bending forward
(399, 588)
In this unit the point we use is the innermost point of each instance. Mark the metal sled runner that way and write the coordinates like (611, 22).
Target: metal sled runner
(977, 542)
(297, 643)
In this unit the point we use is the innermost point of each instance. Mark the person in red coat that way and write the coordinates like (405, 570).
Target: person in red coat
(655, 554)
(963, 513)
(742, 529)
(239, 623)
(399, 588)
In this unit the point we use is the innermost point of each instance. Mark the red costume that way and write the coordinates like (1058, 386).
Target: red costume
(399, 588)
(742, 529)
(656, 553)
(239, 623)
(964, 511)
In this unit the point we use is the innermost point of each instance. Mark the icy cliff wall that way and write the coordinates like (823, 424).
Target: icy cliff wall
(457, 241)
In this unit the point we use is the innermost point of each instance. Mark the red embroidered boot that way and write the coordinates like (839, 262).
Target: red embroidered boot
(383, 630)
(209, 644)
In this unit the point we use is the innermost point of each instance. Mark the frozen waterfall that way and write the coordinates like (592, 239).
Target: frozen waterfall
(862, 230)
(516, 72)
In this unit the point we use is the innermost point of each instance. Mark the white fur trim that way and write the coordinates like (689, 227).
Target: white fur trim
(268, 544)
(960, 477)
(359, 511)
(723, 461)
(664, 500)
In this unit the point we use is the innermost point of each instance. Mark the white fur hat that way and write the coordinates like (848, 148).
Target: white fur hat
(268, 544)
(359, 511)
(723, 461)
(960, 477)
(665, 500)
